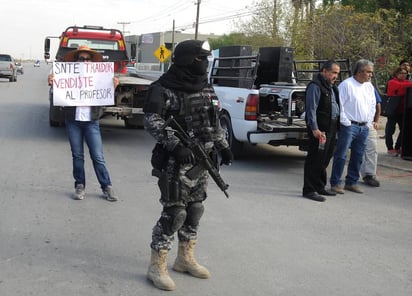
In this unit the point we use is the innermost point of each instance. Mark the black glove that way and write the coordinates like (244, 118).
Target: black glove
(183, 155)
(227, 156)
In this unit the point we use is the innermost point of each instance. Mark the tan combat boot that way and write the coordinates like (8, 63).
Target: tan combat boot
(186, 262)
(157, 272)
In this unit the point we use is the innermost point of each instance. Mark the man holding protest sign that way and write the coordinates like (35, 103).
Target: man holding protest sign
(82, 88)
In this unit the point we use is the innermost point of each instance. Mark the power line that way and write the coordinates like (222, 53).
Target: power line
(181, 6)
(218, 19)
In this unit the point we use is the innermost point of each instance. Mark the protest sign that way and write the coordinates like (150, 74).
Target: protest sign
(83, 84)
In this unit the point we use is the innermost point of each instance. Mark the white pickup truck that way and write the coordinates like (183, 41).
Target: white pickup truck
(8, 67)
(263, 113)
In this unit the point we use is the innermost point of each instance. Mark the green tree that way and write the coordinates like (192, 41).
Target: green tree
(402, 6)
(360, 29)
(268, 22)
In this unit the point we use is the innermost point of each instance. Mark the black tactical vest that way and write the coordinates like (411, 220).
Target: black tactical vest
(198, 113)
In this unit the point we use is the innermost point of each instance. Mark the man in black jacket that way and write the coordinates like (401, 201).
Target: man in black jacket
(322, 119)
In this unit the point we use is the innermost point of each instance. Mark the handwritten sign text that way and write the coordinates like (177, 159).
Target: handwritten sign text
(83, 84)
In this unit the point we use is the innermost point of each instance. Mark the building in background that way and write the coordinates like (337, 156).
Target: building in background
(146, 44)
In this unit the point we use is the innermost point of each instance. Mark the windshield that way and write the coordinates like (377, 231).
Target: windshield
(5, 58)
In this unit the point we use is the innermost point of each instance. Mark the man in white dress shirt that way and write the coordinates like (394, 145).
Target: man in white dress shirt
(358, 104)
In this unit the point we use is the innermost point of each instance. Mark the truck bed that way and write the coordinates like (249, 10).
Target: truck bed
(281, 124)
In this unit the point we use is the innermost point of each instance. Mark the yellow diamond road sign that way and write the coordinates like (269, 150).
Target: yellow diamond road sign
(162, 53)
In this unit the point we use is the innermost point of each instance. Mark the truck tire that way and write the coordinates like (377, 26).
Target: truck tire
(234, 144)
(134, 122)
(52, 122)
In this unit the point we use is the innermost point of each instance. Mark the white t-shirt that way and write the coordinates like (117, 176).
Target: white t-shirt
(357, 101)
(83, 113)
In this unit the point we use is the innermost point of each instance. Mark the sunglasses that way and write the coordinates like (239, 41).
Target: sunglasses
(83, 59)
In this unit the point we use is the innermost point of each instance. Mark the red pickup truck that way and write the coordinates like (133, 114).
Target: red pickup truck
(130, 93)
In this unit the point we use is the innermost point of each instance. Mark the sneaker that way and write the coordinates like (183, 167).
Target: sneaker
(79, 193)
(337, 189)
(108, 193)
(371, 181)
(353, 188)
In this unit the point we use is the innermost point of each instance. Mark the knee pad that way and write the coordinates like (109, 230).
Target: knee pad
(194, 213)
(172, 219)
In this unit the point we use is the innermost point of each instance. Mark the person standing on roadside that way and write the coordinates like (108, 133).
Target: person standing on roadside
(370, 158)
(396, 87)
(358, 107)
(185, 94)
(322, 119)
(82, 125)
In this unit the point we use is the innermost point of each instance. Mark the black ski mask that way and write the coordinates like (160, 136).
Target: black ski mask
(199, 65)
(189, 69)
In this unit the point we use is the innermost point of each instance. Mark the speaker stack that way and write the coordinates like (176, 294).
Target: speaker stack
(234, 51)
(406, 145)
(275, 65)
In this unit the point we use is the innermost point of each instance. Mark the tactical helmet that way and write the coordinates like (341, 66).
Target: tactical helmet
(186, 51)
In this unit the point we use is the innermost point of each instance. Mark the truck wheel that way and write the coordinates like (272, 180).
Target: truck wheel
(52, 122)
(133, 122)
(234, 144)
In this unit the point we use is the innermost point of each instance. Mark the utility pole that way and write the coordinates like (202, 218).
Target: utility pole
(124, 25)
(197, 19)
(173, 36)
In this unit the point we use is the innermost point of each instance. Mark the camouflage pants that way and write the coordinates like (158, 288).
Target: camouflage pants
(177, 215)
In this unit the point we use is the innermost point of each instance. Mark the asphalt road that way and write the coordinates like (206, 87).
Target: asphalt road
(264, 240)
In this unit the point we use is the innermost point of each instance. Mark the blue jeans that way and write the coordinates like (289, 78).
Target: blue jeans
(353, 137)
(88, 131)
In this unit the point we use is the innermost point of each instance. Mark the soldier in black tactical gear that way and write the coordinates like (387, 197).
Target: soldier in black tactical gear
(183, 93)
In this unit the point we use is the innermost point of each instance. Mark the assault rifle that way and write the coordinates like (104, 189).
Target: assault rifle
(202, 158)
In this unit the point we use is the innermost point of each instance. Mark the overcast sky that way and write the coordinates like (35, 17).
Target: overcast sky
(25, 23)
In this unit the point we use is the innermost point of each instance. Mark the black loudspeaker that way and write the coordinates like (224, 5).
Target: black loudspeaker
(234, 51)
(275, 65)
(133, 51)
(406, 145)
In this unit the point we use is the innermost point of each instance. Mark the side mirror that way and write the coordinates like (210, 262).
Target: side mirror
(47, 48)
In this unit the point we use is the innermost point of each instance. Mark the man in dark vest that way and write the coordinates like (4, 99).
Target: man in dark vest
(322, 119)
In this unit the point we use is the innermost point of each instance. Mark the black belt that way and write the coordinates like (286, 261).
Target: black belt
(358, 123)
